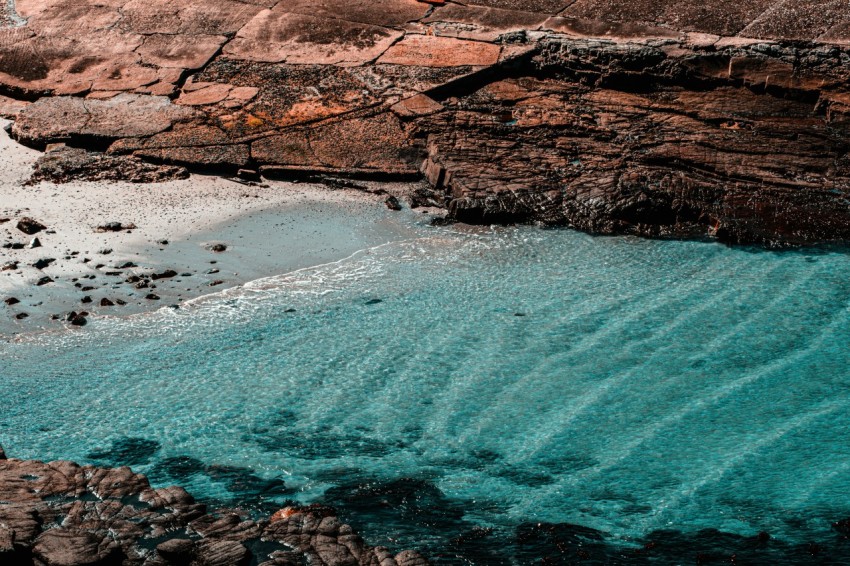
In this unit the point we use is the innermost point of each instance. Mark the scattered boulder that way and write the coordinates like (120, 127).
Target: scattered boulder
(218, 248)
(29, 226)
(43, 262)
(152, 297)
(34, 243)
(21, 316)
(86, 300)
(44, 281)
(392, 203)
(115, 227)
(11, 301)
(9, 266)
(2, 453)
(167, 274)
(104, 302)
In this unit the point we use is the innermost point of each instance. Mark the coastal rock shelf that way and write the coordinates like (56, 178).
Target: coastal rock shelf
(62, 514)
(726, 120)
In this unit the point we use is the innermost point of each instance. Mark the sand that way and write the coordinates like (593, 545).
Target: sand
(266, 230)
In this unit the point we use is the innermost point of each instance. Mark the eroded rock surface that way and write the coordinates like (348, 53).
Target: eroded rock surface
(668, 118)
(63, 514)
(64, 164)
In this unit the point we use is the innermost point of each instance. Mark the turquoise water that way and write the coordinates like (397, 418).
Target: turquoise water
(461, 382)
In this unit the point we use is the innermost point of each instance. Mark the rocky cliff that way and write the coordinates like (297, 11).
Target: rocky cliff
(667, 119)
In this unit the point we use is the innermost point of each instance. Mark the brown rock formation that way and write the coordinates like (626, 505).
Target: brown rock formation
(63, 514)
(664, 118)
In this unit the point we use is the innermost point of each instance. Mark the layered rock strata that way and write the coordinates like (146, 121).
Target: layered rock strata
(64, 514)
(667, 119)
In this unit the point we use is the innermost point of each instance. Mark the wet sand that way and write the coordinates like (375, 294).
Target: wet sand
(169, 257)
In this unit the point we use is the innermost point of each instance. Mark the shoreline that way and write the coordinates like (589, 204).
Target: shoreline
(170, 256)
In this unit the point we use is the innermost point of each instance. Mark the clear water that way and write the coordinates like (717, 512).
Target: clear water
(649, 385)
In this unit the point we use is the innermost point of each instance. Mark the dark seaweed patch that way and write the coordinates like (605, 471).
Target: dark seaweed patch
(321, 442)
(127, 452)
(177, 468)
(245, 483)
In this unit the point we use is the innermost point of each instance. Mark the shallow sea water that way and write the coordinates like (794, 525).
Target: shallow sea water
(451, 391)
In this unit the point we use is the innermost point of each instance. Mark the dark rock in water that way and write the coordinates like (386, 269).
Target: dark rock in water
(29, 226)
(11, 301)
(78, 320)
(43, 262)
(168, 273)
(120, 302)
(290, 310)
(842, 527)
(392, 203)
(126, 265)
(152, 297)
(104, 302)
(86, 300)
(374, 301)
(44, 281)
(2, 453)
(72, 164)
(216, 283)
(115, 227)
(441, 221)
(21, 316)
(162, 242)
(218, 248)
(128, 451)
(561, 542)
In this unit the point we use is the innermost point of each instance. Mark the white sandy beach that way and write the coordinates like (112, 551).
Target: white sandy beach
(267, 231)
